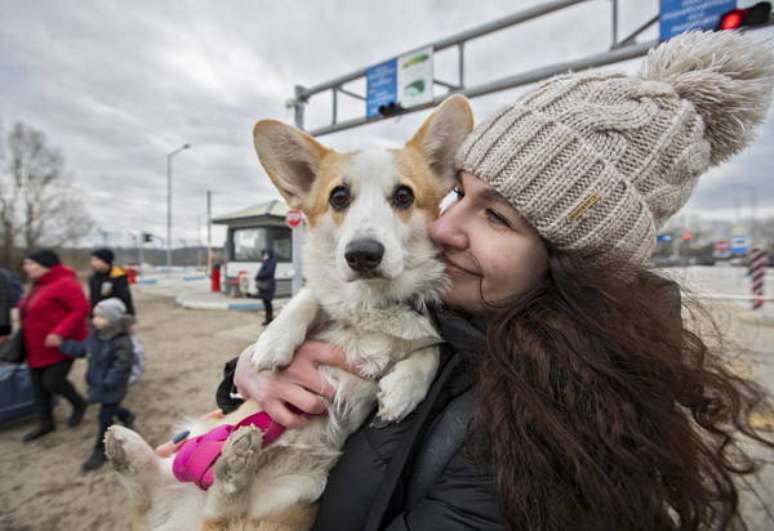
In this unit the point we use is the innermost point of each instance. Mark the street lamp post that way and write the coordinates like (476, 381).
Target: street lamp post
(169, 203)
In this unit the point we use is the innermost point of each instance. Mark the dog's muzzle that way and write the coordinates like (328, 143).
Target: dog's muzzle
(364, 256)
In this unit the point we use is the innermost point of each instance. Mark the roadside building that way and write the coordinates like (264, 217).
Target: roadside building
(248, 232)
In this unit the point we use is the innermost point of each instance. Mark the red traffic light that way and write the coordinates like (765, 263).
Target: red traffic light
(732, 20)
(752, 16)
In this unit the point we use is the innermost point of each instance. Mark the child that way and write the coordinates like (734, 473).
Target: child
(109, 352)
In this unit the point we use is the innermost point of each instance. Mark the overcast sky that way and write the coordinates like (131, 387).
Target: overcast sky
(115, 86)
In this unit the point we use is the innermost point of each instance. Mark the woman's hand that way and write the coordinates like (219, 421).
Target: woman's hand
(170, 447)
(53, 340)
(300, 384)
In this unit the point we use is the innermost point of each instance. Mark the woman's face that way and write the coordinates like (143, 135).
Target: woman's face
(488, 248)
(33, 269)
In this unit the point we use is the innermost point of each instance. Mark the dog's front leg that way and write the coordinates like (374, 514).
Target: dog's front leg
(406, 385)
(277, 344)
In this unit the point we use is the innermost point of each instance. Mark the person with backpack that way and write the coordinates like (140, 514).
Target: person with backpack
(109, 352)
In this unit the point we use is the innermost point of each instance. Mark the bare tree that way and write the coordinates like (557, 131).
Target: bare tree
(37, 202)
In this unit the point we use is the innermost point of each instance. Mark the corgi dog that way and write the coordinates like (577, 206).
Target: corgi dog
(370, 270)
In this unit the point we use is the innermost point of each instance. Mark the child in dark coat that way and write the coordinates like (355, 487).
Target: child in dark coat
(109, 352)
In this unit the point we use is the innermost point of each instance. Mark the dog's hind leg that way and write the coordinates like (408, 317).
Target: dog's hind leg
(136, 463)
(228, 497)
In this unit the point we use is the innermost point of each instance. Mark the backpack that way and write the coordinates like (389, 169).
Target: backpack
(138, 359)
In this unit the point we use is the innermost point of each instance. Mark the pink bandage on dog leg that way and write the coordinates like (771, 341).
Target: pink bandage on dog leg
(196, 457)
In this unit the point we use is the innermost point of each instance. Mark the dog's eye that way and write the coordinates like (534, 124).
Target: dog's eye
(340, 198)
(403, 197)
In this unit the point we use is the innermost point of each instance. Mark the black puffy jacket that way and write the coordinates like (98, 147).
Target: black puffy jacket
(414, 475)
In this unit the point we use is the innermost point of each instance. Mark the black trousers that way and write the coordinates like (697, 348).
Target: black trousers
(107, 413)
(269, 309)
(52, 380)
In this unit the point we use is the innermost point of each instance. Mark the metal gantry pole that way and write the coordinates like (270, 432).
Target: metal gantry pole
(297, 232)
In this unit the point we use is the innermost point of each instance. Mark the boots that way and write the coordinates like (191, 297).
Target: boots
(76, 416)
(45, 426)
(95, 460)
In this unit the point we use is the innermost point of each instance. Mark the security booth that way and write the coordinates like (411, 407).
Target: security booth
(249, 231)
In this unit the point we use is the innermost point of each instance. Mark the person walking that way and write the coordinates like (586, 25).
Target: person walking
(570, 395)
(108, 280)
(54, 309)
(266, 284)
(109, 352)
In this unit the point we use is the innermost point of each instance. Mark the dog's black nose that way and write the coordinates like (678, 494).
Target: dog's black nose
(364, 256)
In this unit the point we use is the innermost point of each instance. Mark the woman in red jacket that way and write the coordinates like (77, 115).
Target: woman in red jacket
(55, 309)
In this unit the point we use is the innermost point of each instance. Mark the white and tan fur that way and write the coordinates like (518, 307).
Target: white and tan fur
(375, 316)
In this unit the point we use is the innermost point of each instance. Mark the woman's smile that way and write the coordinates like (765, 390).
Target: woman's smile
(455, 268)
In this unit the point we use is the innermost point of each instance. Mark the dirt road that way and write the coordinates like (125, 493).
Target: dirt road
(42, 488)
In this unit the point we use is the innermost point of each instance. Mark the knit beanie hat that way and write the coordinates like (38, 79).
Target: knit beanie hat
(111, 309)
(597, 162)
(104, 254)
(44, 257)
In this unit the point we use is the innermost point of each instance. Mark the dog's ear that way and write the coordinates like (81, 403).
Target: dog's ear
(441, 135)
(291, 158)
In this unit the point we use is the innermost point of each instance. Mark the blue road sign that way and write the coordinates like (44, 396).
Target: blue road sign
(381, 86)
(739, 245)
(664, 238)
(679, 16)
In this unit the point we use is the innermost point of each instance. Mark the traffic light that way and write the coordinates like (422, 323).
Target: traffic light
(752, 16)
(389, 109)
(147, 237)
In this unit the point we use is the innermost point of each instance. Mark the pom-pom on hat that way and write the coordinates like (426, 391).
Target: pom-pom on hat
(597, 162)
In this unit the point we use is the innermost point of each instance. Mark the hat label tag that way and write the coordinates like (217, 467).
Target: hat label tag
(578, 212)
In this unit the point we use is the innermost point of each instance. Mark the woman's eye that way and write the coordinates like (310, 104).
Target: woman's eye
(496, 218)
(340, 198)
(403, 197)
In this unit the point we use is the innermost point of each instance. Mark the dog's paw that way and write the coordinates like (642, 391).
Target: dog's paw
(127, 452)
(235, 467)
(399, 394)
(273, 350)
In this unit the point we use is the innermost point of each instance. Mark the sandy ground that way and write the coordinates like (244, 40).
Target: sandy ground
(42, 488)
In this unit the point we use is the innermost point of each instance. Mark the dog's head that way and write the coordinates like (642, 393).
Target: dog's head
(368, 210)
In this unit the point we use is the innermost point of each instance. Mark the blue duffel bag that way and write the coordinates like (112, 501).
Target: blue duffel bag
(16, 398)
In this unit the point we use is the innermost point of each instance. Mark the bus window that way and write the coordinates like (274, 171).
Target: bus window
(248, 244)
(282, 243)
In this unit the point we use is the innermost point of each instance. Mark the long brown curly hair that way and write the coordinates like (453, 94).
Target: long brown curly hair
(600, 411)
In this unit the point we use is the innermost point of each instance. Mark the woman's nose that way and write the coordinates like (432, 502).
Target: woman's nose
(448, 230)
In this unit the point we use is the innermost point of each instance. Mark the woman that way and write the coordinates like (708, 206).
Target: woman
(264, 281)
(570, 396)
(55, 309)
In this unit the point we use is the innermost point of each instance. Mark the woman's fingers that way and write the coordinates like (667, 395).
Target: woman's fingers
(309, 403)
(321, 353)
(280, 413)
(304, 372)
(173, 445)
